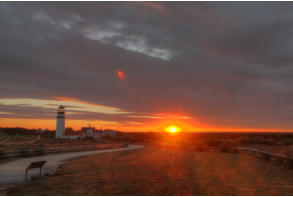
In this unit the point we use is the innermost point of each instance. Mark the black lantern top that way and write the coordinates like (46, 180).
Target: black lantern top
(61, 109)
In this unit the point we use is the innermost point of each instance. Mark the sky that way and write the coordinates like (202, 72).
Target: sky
(141, 66)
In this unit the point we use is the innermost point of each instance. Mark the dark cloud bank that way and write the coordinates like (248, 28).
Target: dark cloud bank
(226, 64)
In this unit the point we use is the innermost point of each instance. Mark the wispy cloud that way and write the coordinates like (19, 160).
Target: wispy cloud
(113, 34)
(70, 104)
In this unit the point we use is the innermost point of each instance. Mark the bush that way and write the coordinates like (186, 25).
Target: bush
(289, 163)
(224, 149)
(267, 157)
(39, 151)
(2, 152)
(213, 142)
(24, 151)
(286, 141)
(233, 150)
(201, 148)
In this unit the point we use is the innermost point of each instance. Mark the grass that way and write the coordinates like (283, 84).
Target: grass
(162, 171)
(31, 143)
(6, 160)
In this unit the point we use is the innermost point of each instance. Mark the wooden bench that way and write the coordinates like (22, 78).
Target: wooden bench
(33, 165)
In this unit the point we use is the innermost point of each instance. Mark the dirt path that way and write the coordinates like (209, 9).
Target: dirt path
(14, 172)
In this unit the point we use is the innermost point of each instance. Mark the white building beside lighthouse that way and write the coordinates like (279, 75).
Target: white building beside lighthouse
(60, 126)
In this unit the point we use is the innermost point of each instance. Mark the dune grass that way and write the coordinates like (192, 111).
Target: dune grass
(162, 171)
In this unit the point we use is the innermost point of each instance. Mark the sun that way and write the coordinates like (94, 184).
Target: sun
(173, 129)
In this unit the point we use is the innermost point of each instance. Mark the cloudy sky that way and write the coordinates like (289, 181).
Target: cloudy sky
(139, 66)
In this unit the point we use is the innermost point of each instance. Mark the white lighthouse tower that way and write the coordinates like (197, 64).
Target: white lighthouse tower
(60, 127)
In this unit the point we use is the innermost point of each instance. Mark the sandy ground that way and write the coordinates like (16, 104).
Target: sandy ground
(14, 172)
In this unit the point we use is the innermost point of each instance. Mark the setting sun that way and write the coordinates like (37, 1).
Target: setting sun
(173, 129)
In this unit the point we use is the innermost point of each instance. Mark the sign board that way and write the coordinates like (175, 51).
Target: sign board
(36, 164)
(33, 165)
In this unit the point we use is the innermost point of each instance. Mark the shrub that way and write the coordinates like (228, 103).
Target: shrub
(233, 150)
(24, 151)
(39, 151)
(2, 152)
(224, 148)
(201, 148)
(290, 163)
(286, 141)
(267, 157)
(213, 142)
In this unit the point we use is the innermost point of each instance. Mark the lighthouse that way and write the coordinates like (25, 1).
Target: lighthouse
(60, 126)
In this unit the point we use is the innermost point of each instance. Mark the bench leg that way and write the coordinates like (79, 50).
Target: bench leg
(26, 174)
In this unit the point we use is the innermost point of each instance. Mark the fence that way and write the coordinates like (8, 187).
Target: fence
(267, 155)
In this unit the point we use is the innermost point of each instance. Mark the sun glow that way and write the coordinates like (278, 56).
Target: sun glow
(173, 129)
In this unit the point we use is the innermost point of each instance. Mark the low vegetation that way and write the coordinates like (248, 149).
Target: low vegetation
(27, 142)
(221, 142)
(164, 171)
(181, 164)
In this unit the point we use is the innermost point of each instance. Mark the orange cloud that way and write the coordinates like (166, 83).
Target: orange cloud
(155, 6)
(64, 98)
